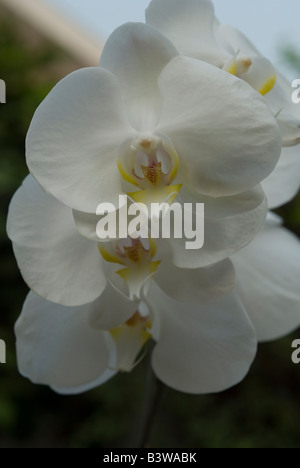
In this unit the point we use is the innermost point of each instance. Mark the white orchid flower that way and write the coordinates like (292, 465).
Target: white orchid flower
(199, 348)
(229, 224)
(179, 309)
(193, 28)
(148, 122)
(107, 335)
(195, 32)
(63, 267)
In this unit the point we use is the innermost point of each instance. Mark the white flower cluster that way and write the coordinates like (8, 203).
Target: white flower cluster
(181, 108)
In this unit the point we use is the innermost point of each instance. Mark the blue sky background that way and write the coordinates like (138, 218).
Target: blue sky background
(268, 23)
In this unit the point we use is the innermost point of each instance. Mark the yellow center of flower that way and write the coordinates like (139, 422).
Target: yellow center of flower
(137, 258)
(153, 173)
(151, 164)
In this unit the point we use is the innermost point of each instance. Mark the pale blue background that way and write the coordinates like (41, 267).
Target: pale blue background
(268, 23)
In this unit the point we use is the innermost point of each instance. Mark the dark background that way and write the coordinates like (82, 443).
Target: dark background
(263, 411)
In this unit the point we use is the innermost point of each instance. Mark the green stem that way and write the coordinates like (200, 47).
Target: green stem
(154, 391)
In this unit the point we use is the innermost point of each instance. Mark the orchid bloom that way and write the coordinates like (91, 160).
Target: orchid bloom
(152, 124)
(192, 315)
(63, 267)
(199, 349)
(204, 339)
(194, 30)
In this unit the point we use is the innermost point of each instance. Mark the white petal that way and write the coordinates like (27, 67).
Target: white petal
(86, 224)
(111, 310)
(55, 261)
(288, 113)
(230, 223)
(268, 273)
(189, 25)
(290, 129)
(196, 286)
(284, 182)
(222, 129)
(73, 141)
(280, 97)
(57, 347)
(136, 54)
(203, 349)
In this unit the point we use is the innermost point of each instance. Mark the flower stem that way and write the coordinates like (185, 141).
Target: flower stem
(154, 391)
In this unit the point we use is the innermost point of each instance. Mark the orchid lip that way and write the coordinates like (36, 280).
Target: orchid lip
(260, 75)
(136, 257)
(134, 334)
(148, 161)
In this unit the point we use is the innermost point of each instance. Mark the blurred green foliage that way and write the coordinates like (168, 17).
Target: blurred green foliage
(290, 55)
(262, 412)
